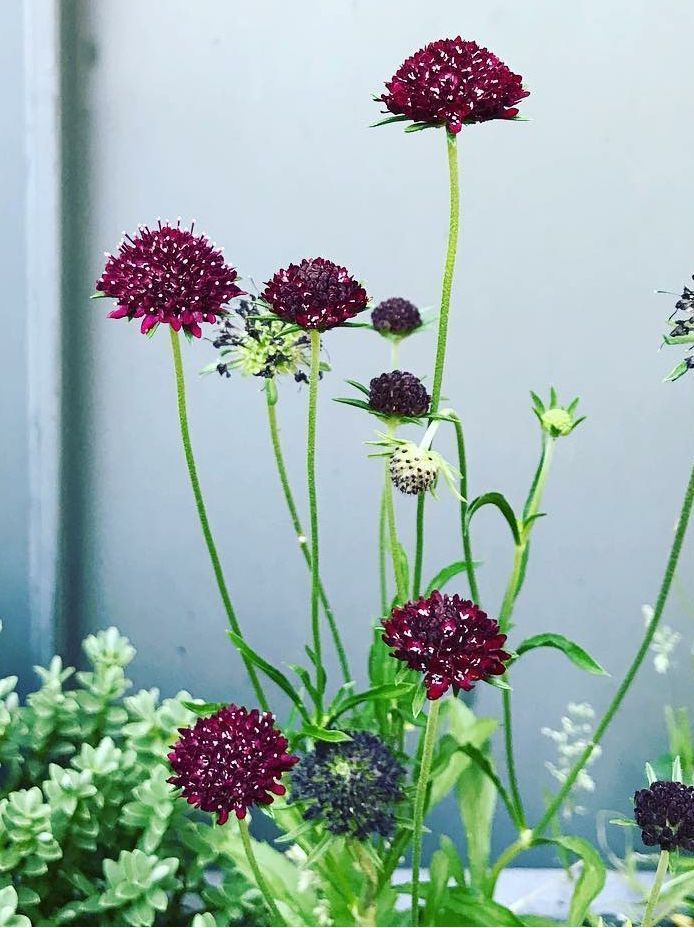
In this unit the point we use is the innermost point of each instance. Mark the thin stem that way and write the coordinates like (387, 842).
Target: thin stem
(440, 360)
(532, 507)
(298, 529)
(626, 683)
(258, 874)
(202, 512)
(464, 528)
(394, 352)
(420, 803)
(660, 874)
(382, 552)
(313, 508)
(400, 579)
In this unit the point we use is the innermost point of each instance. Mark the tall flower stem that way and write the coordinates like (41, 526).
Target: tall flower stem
(553, 807)
(394, 544)
(440, 361)
(654, 895)
(313, 509)
(383, 552)
(258, 874)
(531, 509)
(271, 398)
(202, 512)
(464, 528)
(420, 803)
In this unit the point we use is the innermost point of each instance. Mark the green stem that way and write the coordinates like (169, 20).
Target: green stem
(660, 874)
(382, 553)
(440, 360)
(532, 507)
(202, 512)
(258, 875)
(553, 807)
(464, 528)
(670, 569)
(394, 352)
(313, 509)
(298, 529)
(400, 580)
(420, 802)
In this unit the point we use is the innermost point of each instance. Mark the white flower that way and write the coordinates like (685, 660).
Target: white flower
(664, 642)
(572, 738)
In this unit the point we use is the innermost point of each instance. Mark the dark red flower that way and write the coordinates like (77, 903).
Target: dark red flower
(396, 316)
(398, 393)
(452, 82)
(665, 814)
(315, 294)
(231, 761)
(449, 639)
(168, 275)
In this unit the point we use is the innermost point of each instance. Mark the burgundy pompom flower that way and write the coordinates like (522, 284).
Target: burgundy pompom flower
(449, 639)
(398, 393)
(315, 294)
(452, 82)
(168, 275)
(230, 761)
(396, 316)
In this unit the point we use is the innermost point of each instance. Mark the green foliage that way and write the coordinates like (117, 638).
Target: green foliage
(91, 833)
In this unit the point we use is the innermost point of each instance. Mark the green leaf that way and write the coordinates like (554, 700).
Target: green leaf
(384, 691)
(203, 709)
(358, 386)
(447, 573)
(462, 907)
(324, 734)
(352, 401)
(404, 566)
(677, 372)
(272, 672)
(592, 879)
(502, 504)
(418, 700)
(387, 120)
(576, 654)
(624, 822)
(485, 765)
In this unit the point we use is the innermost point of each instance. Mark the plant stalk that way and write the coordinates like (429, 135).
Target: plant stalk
(313, 509)
(202, 512)
(440, 360)
(298, 529)
(654, 895)
(420, 802)
(258, 875)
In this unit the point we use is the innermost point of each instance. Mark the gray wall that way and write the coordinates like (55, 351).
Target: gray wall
(253, 119)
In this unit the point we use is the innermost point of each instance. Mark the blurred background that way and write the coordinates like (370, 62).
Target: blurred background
(253, 119)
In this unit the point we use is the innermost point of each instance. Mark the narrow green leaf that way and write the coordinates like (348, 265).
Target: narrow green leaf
(352, 401)
(384, 691)
(418, 700)
(624, 822)
(272, 672)
(592, 879)
(358, 386)
(499, 683)
(502, 504)
(462, 907)
(388, 119)
(447, 573)
(204, 708)
(325, 734)
(485, 765)
(575, 653)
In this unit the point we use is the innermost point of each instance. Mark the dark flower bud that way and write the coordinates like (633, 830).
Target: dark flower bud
(396, 316)
(665, 814)
(398, 393)
(315, 294)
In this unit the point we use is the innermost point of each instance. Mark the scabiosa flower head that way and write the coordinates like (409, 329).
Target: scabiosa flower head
(449, 639)
(352, 786)
(396, 316)
(398, 393)
(230, 761)
(259, 347)
(665, 814)
(413, 469)
(452, 82)
(315, 294)
(168, 275)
